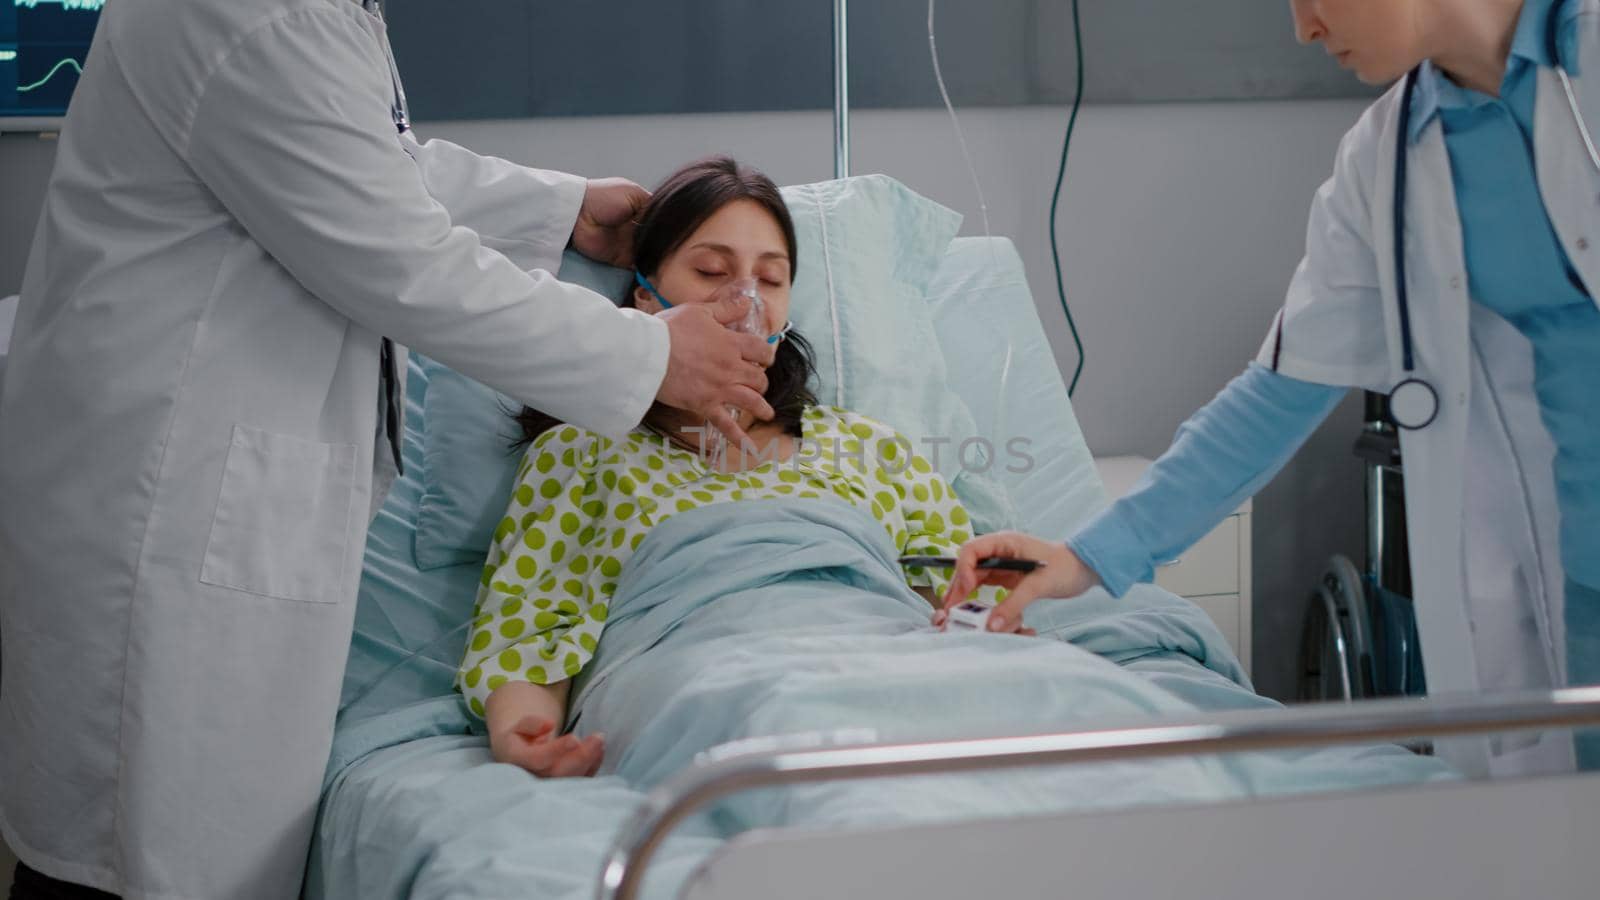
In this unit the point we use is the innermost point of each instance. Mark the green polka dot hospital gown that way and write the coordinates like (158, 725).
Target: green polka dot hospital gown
(584, 503)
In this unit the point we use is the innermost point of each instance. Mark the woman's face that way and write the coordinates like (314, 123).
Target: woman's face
(740, 240)
(1380, 40)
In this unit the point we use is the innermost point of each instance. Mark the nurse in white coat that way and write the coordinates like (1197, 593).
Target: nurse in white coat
(193, 415)
(1479, 316)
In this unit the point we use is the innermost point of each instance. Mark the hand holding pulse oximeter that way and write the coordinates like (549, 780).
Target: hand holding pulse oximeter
(970, 615)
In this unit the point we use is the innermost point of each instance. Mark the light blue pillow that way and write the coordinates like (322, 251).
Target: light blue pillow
(471, 463)
(869, 247)
(469, 467)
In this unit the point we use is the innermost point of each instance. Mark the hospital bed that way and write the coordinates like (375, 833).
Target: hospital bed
(391, 825)
(386, 830)
(412, 809)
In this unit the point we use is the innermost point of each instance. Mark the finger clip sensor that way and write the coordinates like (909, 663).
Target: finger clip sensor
(969, 615)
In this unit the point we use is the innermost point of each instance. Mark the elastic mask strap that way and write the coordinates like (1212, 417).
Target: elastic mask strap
(645, 283)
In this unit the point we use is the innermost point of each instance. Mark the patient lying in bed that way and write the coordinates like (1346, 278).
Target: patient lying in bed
(584, 503)
(640, 593)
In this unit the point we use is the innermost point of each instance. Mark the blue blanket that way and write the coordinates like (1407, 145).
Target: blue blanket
(790, 619)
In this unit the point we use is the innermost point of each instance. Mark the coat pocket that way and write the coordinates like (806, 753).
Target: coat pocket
(282, 526)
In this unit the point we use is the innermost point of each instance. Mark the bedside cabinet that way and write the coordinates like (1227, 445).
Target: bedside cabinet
(1214, 574)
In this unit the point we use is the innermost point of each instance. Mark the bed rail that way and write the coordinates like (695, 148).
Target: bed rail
(1314, 726)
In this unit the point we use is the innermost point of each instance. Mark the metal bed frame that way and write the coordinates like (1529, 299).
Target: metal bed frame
(1542, 831)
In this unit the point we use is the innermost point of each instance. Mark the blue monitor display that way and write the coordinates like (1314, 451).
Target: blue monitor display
(43, 44)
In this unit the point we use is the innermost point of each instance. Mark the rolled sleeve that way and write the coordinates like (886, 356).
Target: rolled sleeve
(1331, 327)
(523, 213)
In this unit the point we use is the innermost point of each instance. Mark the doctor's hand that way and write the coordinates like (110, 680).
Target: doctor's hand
(531, 742)
(711, 368)
(1062, 575)
(610, 212)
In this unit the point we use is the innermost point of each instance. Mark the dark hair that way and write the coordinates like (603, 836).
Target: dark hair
(680, 205)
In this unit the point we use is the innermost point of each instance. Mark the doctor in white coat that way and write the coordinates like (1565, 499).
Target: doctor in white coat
(194, 410)
(1473, 306)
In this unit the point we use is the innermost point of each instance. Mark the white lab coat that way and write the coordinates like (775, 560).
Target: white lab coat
(191, 403)
(1480, 492)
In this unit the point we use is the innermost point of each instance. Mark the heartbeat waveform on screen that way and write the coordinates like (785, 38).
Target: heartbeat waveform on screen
(84, 5)
(69, 61)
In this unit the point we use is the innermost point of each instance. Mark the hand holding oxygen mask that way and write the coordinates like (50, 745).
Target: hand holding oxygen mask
(754, 322)
(701, 362)
(712, 372)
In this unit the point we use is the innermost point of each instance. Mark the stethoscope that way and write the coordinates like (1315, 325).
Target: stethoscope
(644, 282)
(1414, 402)
(399, 111)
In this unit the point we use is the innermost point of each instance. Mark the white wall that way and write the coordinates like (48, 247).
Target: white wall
(1180, 226)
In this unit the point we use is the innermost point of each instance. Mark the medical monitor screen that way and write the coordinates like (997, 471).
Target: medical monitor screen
(43, 44)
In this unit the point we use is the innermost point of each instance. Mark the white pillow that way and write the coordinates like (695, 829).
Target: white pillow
(869, 247)
(990, 332)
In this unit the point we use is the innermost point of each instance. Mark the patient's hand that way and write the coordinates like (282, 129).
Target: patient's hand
(531, 743)
(523, 720)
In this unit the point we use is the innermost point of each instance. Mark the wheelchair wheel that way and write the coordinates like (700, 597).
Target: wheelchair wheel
(1337, 649)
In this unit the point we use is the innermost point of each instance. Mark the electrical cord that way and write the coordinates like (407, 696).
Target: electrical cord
(1055, 200)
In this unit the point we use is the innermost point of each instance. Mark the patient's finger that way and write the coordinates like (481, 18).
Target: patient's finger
(534, 757)
(597, 754)
(599, 742)
(581, 761)
(552, 756)
(570, 764)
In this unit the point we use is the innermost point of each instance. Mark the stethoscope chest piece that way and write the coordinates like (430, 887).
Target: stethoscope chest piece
(1413, 404)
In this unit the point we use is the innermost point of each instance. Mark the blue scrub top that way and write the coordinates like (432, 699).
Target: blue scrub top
(1515, 263)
